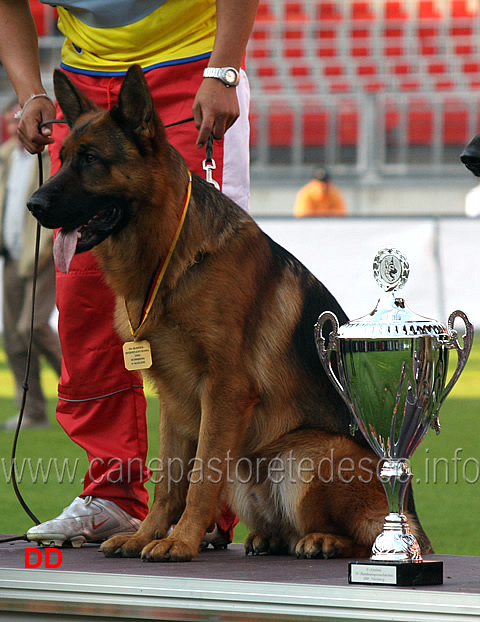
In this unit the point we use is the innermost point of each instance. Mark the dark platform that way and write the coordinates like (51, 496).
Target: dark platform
(223, 585)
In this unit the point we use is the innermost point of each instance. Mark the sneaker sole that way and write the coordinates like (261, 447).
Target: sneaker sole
(57, 541)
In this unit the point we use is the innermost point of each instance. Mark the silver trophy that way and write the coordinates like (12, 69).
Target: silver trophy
(390, 367)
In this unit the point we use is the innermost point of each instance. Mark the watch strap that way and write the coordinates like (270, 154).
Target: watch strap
(219, 73)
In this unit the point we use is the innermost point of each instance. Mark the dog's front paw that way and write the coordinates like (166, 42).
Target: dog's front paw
(323, 545)
(256, 544)
(169, 549)
(123, 546)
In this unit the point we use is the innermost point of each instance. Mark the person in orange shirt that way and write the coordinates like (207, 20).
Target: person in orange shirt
(319, 198)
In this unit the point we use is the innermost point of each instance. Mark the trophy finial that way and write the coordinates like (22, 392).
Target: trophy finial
(390, 269)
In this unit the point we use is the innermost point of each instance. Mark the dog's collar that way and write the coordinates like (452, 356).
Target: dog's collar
(162, 268)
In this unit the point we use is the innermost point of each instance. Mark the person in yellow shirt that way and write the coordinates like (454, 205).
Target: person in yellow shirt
(319, 198)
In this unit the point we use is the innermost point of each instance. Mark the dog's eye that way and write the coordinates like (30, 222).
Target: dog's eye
(90, 158)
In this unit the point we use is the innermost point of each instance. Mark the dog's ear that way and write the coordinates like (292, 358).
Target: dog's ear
(135, 105)
(70, 98)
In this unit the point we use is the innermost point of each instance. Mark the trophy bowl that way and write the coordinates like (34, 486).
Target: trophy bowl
(390, 367)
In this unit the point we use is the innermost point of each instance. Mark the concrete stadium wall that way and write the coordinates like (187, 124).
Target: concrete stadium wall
(443, 253)
(399, 197)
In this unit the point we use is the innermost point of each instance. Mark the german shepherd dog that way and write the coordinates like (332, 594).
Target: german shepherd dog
(244, 401)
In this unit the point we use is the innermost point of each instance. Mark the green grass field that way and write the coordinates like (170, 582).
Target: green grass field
(446, 468)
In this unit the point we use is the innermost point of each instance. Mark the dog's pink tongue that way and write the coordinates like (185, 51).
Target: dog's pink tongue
(64, 249)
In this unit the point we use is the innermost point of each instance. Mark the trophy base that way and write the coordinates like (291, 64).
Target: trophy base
(396, 573)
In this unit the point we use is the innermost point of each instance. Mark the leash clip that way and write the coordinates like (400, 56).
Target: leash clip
(209, 166)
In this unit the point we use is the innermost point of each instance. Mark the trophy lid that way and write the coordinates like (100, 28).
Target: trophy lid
(391, 318)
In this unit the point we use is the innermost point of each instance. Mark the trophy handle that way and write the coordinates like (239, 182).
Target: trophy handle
(462, 353)
(325, 353)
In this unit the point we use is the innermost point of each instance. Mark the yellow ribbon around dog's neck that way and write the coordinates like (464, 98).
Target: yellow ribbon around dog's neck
(160, 273)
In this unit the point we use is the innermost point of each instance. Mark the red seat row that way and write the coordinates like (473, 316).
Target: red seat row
(417, 124)
(361, 10)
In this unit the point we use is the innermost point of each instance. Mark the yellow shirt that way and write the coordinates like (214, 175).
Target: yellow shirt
(177, 31)
(319, 198)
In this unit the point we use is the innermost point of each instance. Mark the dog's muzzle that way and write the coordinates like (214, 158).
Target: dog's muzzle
(38, 207)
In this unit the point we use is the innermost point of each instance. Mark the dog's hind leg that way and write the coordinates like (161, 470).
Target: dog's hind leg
(324, 499)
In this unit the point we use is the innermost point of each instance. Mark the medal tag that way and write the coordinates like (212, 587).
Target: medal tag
(137, 355)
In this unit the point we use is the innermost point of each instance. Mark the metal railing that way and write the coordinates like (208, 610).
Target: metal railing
(366, 135)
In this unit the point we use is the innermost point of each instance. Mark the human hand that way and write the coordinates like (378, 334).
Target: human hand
(215, 109)
(32, 137)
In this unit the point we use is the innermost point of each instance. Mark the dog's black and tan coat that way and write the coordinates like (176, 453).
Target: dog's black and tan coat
(245, 406)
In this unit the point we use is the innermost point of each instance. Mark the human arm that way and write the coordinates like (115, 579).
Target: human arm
(216, 106)
(19, 55)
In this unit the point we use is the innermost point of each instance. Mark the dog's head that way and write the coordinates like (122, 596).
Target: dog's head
(92, 195)
(471, 155)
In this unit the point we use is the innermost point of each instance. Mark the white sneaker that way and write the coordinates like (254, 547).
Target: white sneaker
(87, 519)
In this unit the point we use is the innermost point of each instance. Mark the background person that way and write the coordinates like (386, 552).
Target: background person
(101, 405)
(18, 181)
(319, 197)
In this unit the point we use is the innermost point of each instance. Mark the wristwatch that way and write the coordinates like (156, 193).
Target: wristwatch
(228, 75)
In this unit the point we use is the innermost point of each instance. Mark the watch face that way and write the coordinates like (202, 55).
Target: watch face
(230, 76)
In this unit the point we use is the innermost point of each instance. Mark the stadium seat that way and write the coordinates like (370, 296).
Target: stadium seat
(293, 40)
(395, 17)
(334, 69)
(328, 11)
(455, 122)
(444, 84)
(401, 68)
(326, 43)
(340, 85)
(429, 18)
(392, 49)
(281, 122)
(464, 48)
(428, 9)
(362, 11)
(348, 119)
(316, 124)
(336, 77)
(366, 69)
(437, 67)
(460, 8)
(420, 122)
(395, 10)
(267, 70)
(462, 19)
(392, 118)
(301, 77)
(471, 67)
(393, 29)
(265, 13)
(294, 12)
